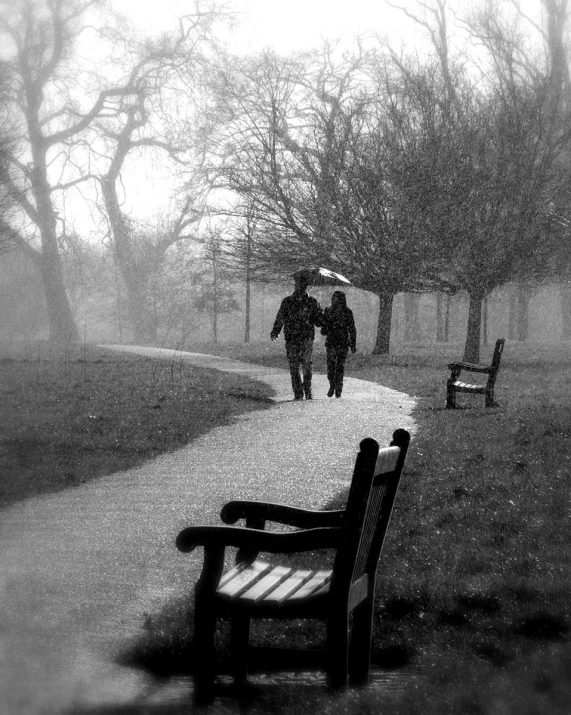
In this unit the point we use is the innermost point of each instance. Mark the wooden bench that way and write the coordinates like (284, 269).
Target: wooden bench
(256, 588)
(455, 385)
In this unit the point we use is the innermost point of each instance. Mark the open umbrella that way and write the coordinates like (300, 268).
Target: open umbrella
(322, 277)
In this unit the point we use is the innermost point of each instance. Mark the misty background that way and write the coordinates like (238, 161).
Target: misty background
(163, 171)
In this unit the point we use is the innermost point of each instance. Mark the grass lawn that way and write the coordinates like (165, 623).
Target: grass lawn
(77, 413)
(474, 589)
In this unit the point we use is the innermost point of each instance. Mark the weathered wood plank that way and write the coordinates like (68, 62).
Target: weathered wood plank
(285, 589)
(310, 587)
(267, 584)
(243, 579)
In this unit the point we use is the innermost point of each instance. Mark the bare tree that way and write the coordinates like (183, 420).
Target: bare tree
(163, 75)
(66, 115)
(484, 165)
(557, 50)
(39, 39)
(214, 290)
(236, 254)
(305, 146)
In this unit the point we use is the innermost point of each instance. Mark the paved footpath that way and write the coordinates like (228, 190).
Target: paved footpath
(80, 569)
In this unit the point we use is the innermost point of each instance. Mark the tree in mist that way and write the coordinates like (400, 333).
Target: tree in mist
(39, 39)
(163, 75)
(237, 252)
(214, 292)
(8, 236)
(554, 36)
(305, 147)
(72, 123)
(481, 162)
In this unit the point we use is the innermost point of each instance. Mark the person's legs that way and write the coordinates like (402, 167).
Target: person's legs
(331, 369)
(341, 356)
(306, 364)
(293, 352)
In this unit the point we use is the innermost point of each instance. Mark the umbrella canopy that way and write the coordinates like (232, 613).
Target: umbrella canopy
(322, 277)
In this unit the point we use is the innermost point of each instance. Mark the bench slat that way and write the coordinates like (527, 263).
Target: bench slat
(240, 579)
(466, 387)
(295, 581)
(316, 583)
(229, 575)
(268, 583)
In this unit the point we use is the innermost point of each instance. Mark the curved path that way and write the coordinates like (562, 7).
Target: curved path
(79, 570)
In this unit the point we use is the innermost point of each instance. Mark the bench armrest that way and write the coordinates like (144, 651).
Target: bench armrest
(471, 367)
(255, 540)
(257, 513)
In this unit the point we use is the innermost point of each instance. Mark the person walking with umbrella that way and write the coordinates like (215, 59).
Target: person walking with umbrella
(299, 313)
(341, 334)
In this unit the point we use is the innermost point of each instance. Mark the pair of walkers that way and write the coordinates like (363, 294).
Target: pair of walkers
(299, 315)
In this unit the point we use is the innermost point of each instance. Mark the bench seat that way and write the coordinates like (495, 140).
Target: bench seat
(466, 387)
(255, 588)
(260, 583)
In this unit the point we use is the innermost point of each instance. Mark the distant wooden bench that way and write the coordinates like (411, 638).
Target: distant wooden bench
(263, 589)
(455, 385)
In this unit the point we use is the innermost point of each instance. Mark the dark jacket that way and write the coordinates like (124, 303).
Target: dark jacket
(339, 328)
(298, 314)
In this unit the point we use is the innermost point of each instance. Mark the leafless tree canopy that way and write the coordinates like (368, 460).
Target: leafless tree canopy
(444, 170)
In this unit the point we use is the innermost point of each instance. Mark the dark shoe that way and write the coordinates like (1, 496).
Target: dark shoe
(337, 393)
(330, 392)
(298, 397)
(309, 396)
(307, 392)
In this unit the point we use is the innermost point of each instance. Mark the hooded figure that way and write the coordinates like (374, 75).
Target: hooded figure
(299, 313)
(341, 334)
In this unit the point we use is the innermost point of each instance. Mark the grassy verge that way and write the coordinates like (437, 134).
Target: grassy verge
(73, 414)
(473, 592)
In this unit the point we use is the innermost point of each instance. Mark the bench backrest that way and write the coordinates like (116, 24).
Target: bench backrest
(498, 350)
(369, 506)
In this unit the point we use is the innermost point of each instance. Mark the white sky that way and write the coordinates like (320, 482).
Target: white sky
(290, 25)
(285, 25)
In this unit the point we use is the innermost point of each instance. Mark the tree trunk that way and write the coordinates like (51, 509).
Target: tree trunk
(215, 297)
(442, 317)
(382, 342)
(565, 296)
(248, 293)
(141, 310)
(472, 346)
(411, 319)
(485, 321)
(133, 270)
(61, 323)
(519, 313)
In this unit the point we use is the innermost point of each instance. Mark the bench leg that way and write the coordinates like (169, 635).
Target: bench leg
(450, 395)
(204, 653)
(490, 402)
(239, 637)
(337, 647)
(360, 649)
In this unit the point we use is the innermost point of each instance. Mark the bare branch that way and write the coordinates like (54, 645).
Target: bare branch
(17, 194)
(17, 238)
(87, 118)
(75, 182)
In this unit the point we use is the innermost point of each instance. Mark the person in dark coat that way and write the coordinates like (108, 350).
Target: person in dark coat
(299, 313)
(341, 334)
